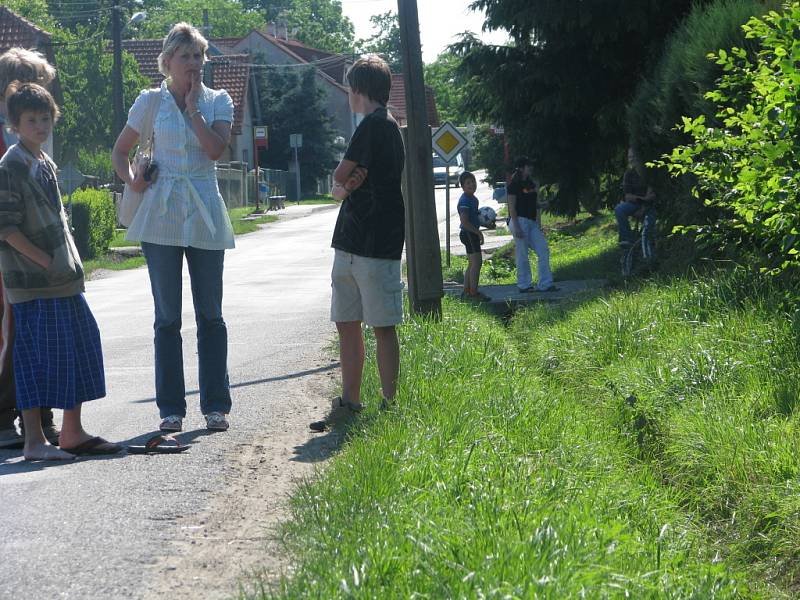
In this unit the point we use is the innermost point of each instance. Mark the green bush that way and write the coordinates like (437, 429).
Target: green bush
(93, 220)
(676, 87)
(746, 161)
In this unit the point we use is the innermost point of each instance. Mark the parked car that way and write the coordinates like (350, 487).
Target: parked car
(440, 170)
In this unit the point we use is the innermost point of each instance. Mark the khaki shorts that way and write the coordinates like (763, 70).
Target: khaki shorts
(366, 289)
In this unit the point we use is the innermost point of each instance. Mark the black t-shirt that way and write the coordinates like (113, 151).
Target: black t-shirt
(525, 191)
(371, 220)
(633, 183)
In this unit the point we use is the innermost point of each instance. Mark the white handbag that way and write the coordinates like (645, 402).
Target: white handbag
(130, 202)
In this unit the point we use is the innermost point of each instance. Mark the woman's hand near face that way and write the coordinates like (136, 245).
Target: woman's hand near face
(194, 93)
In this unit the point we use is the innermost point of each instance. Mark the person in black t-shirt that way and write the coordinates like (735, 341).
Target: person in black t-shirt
(638, 199)
(369, 235)
(522, 194)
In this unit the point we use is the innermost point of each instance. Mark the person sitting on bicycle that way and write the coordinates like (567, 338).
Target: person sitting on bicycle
(638, 201)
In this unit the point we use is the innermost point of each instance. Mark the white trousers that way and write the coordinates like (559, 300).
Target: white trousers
(533, 238)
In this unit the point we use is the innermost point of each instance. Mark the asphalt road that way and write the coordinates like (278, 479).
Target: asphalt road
(101, 528)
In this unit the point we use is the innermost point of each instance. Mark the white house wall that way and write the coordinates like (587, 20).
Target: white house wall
(338, 107)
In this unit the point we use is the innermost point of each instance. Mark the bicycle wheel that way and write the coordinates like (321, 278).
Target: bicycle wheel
(632, 260)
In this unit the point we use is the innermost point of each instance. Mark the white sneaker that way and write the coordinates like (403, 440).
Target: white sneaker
(216, 421)
(171, 423)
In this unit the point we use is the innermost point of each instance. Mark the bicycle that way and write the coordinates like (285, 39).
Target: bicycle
(640, 256)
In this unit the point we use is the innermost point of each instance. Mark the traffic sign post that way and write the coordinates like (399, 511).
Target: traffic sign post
(296, 141)
(447, 143)
(260, 140)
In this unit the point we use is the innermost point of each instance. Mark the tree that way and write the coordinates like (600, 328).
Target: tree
(386, 40)
(441, 75)
(36, 11)
(318, 23)
(292, 102)
(562, 87)
(84, 73)
(226, 18)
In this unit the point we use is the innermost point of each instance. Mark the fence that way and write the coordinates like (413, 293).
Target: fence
(233, 184)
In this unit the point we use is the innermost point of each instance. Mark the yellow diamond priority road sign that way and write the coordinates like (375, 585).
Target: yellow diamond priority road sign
(448, 142)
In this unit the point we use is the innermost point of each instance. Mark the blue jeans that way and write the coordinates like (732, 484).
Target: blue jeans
(165, 267)
(533, 238)
(624, 211)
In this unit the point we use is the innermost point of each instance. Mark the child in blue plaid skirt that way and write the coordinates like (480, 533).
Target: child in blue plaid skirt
(58, 360)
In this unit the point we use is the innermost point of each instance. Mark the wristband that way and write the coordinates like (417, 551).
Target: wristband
(194, 113)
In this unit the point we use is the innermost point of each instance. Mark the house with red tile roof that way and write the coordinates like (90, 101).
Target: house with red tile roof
(230, 72)
(330, 69)
(18, 32)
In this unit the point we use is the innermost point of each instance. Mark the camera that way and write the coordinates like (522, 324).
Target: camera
(151, 172)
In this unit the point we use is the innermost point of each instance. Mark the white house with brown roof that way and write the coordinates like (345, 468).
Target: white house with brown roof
(330, 70)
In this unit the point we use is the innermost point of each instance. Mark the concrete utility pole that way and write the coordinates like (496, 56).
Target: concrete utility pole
(116, 74)
(422, 237)
(206, 26)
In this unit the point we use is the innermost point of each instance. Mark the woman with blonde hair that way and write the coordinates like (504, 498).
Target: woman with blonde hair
(183, 215)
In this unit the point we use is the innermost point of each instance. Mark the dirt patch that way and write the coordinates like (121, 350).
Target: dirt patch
(236, 543)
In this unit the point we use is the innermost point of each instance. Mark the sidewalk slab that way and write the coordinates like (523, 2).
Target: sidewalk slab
(507, 298)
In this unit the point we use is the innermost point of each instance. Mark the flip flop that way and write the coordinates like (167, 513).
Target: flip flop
(159, 444)
(96, 446)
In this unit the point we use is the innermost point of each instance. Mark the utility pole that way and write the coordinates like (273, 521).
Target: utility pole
(423, 256)
(116, 74)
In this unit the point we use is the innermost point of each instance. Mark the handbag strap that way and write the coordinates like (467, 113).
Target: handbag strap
(148, 133)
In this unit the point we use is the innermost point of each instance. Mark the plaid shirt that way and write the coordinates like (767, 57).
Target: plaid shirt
(27, 208)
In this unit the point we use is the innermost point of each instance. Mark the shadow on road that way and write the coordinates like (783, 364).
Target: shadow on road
(12, 463)
(331, 367)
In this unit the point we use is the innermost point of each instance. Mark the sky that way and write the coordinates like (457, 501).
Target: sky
(439, 22)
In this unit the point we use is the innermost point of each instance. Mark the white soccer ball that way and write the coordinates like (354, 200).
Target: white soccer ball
(487, 217)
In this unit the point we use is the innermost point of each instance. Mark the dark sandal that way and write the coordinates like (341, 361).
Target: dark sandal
(96, 446)
(159, 444)
(318, 426)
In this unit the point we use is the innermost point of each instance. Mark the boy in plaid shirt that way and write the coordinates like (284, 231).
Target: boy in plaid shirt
(58, 360)
(17, 64)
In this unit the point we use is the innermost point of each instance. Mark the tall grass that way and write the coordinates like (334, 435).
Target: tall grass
(487, 481)
(641, 443)
(703, 376)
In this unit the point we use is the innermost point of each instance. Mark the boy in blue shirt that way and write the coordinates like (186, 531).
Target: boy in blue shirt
(471, 236)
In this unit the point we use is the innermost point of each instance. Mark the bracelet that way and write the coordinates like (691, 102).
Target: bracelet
(197, 112)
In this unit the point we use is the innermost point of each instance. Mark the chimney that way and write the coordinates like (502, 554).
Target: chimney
(282, 30)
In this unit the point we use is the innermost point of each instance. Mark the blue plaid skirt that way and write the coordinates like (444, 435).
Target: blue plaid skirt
(58, 360)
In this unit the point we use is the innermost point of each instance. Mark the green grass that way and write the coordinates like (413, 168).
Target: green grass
(119, 241)
(111, 263)
(318, 199)
(240, 227)
(642, 443)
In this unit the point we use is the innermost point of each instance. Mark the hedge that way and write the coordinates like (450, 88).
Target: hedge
(676, 88)
(93, 221)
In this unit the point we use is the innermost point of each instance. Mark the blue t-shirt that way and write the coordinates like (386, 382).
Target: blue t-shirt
(470, 205)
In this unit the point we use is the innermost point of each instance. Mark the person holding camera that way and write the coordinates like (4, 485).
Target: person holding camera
(183, 215)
